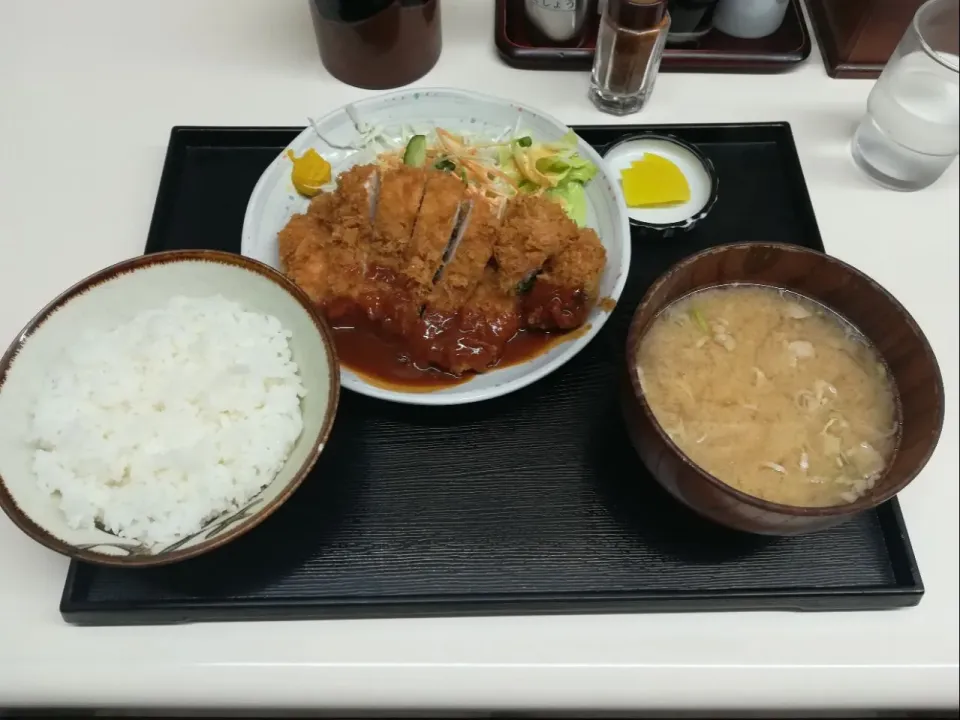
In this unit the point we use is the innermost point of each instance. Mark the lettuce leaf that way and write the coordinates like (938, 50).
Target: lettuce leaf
(581, 171)
(573, 198)
(567, 144)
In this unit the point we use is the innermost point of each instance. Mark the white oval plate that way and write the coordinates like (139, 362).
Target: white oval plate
(395, 115)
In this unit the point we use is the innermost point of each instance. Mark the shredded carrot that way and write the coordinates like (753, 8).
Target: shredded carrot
(502, 175)
(466, 160)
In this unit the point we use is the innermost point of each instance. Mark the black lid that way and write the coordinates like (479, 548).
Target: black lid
(637, 14)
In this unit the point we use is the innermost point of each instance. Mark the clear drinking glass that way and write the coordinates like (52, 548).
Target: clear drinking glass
(911, 132)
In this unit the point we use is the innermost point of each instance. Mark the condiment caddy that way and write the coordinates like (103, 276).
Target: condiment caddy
(692, 45)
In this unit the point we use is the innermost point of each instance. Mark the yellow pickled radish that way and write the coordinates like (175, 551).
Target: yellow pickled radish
(310, 172)
(654, 181)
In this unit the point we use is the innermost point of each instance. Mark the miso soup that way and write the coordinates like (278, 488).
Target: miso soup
(771, 393)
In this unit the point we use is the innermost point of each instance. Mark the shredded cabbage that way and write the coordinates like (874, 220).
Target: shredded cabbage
(513, 163)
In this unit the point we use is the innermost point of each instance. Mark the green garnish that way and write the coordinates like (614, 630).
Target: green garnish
(552, 165)
(700, 320)
(445, 165)
(525, 141)
(572, 197)
(525, 285)
(416, 153)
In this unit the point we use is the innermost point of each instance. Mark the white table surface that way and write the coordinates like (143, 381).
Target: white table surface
(88, 93)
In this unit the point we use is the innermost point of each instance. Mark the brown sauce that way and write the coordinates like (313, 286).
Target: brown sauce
(382, 336)
(607, 304)
(386, 363)
(549, 306)
(528, 344)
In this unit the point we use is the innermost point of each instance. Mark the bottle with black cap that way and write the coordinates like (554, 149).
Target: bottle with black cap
(377, 44)
(630, 44)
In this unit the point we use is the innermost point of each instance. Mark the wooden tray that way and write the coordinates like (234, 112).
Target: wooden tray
(784, 49)
(857, 37)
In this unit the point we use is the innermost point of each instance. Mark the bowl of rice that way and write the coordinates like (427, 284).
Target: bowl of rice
(162, 407)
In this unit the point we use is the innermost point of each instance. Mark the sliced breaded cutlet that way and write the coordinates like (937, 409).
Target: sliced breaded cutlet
(322, 206)
(564, 293)
(436, 228)
(297, 230)
(486, 322)
(352, 217)
(468, 258)
(319, 215)
(303, 257)
(401, 192)
(438, 338)
(534, 229)
(329, 260)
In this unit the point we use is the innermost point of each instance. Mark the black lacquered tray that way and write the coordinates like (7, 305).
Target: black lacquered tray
(531, 503)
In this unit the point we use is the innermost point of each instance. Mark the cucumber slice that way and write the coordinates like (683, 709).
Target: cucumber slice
(416, 153)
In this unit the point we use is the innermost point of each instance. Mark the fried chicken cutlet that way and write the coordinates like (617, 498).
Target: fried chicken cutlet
(353, 210)
(436, 229)
(401, 192)
(566, 290)
(439, 336)
(487, 322)
(475, 337)
(469, 258)
(534, 229)
(304, 252)
(415, 256)
(324, 251)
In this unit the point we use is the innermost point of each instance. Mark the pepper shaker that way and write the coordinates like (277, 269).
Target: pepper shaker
(630, 44)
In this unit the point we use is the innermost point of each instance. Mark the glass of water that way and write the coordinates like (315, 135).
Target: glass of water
(911, 132)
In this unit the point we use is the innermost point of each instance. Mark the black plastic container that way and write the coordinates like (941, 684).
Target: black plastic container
(530, 503)
(377, 44)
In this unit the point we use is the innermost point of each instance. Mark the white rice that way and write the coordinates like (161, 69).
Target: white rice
(168, 420)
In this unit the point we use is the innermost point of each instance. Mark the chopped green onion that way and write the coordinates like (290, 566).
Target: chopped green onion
(700, 320)
(525, 141)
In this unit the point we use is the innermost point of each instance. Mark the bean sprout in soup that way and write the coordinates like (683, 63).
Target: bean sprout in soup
(771, 393)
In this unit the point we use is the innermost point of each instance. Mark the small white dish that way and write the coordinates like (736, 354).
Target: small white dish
(696, 168)
(111, 297)
(394, 116)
